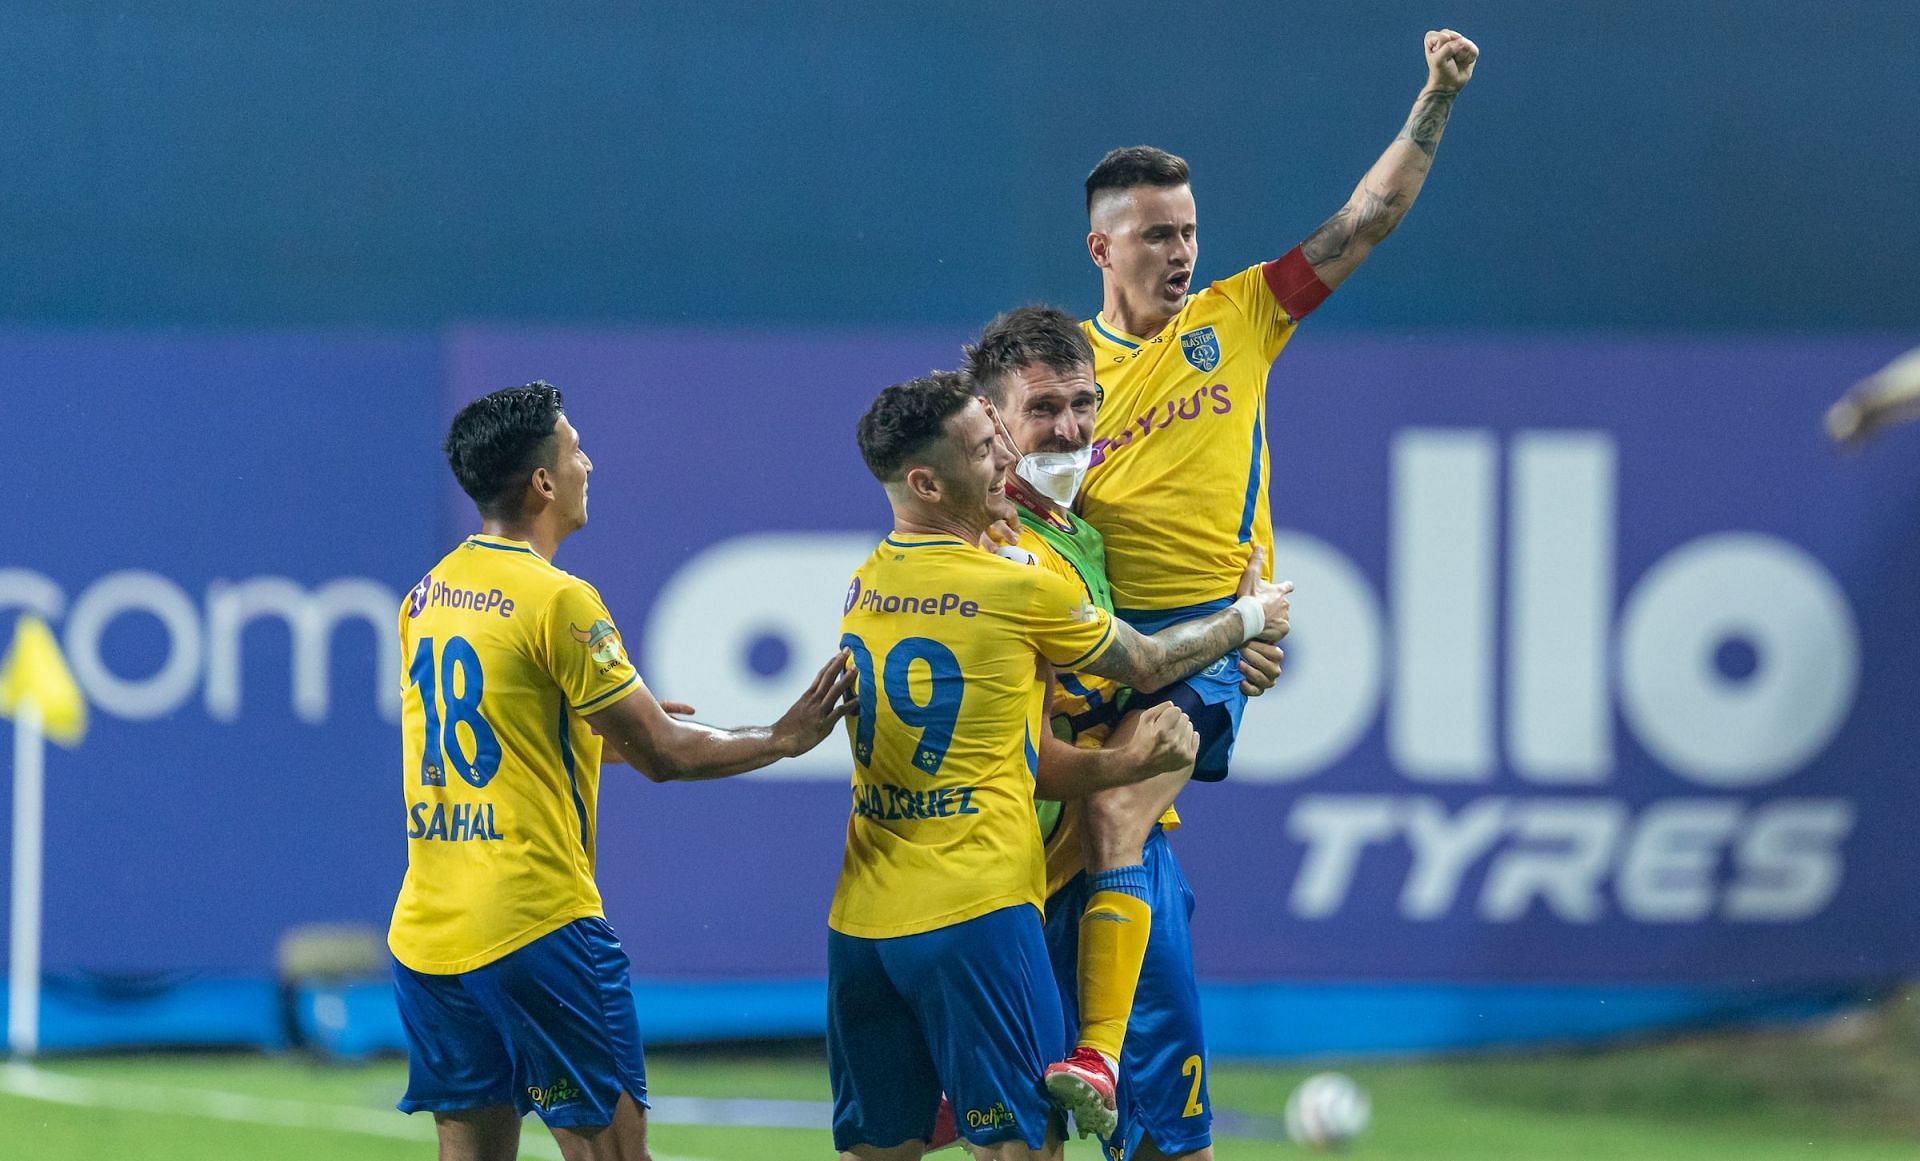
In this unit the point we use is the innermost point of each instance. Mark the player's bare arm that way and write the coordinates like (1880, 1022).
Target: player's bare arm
(612, 757)
(1151, 663)
(1889, 396)
(667, 749)
(1388, 190)
(1164, 742)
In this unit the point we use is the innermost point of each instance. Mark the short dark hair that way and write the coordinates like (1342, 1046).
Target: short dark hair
(498, 439)
(909, 416)
(1135, 165)
(1023, 337)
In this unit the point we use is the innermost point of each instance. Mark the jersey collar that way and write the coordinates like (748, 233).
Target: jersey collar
(500, 544)
(922, 539)
(1114, 334)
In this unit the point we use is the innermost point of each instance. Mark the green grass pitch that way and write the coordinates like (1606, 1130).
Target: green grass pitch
(1837, 1093)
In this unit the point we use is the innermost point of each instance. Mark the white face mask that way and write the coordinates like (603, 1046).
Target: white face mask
(1055, 475)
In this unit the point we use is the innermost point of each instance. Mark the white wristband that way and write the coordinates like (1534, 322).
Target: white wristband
(1253, 618)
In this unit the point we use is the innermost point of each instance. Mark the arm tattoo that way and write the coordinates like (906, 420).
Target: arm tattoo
(1429, 120)
(1150, 663)
(1371, 216)
(1330, 240)
(1385, 195)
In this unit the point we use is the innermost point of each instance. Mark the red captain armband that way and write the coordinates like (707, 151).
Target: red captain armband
(1294, 284)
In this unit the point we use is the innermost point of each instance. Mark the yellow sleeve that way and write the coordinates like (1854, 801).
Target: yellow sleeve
(1253, 298)
(406, 647)
(1067, 628)
(584, 655)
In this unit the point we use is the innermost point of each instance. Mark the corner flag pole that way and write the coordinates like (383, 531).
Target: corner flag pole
(38, 692)
(29, 827)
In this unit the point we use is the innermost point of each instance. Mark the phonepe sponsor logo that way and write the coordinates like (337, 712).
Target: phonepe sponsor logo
(431, 592)
(204, 654)
(1503, 658)
(929, 604)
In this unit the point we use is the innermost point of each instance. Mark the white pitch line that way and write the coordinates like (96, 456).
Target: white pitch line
(25, 1080)
(739, 1112)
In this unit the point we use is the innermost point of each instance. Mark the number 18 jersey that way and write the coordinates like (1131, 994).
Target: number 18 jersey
(949, 641)
(504, 653)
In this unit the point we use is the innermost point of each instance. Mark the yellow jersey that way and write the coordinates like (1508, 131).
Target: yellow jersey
(1084, 709)
(504, 654)
(951, 645)
(1179, 482)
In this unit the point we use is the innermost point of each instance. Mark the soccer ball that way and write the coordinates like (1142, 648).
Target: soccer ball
(1327, 1111)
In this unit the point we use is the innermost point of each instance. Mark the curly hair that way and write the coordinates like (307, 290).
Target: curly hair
(907, 417)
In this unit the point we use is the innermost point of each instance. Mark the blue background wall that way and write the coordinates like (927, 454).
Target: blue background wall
(250, 257)
(1642, 163)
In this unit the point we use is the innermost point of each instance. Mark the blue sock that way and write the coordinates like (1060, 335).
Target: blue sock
(1125, 880)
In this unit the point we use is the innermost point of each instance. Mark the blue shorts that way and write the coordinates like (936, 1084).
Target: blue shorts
(549, 1028)
(969, 1010)
(1163, 1065)
(1211, 698)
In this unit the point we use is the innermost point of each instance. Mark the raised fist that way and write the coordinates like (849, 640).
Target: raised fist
(1450, 58)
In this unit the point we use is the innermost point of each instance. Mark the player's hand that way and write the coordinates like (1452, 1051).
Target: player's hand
(1164, 742)
(1450, 60)
(1001, 532)
(1273, 601)
(1853, 422)
(678, 709)
(1251, 575)
(1259, 667)
(825, 702)
(1847, 423)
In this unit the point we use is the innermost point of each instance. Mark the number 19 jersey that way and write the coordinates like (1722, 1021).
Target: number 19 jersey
(504, 654)
(949, 641)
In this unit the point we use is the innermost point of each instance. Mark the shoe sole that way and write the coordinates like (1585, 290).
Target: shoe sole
(1091, 1116)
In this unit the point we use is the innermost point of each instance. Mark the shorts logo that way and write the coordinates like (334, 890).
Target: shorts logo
(853, 596)
(1202, 348)
(558, 1093)
(601, 638)
(1218, 668)
(417, 599)
(990, 1118)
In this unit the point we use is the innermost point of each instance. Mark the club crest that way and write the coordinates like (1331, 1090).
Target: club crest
(1201, 347)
